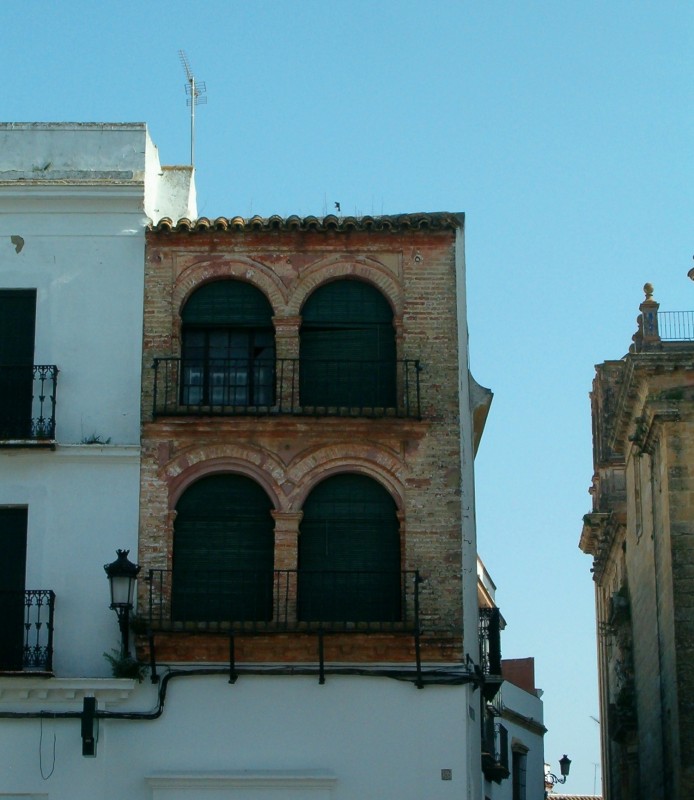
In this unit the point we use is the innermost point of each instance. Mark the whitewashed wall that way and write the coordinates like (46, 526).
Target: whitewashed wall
(372, 738)
(73, 201)
(523, 718)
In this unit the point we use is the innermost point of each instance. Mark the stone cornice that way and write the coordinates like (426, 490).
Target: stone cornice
(598, 537)
(639, 367)
(529, 723)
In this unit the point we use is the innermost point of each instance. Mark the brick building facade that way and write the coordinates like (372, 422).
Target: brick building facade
(309, 427)
(290, 441)
(641, 536)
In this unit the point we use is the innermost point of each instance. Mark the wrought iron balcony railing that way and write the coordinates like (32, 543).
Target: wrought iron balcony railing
(494, 750)
(490, 641)
(26, 630)
(282, 601)
(27, 402)
(232, 386)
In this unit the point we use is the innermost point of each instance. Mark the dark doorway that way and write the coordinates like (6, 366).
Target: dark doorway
(17, 324)
(13, 544)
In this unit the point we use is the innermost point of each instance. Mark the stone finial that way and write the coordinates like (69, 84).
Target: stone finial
(647, 320)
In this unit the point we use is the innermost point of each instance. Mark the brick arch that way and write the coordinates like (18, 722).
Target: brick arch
(327, 270)
(243, 269)
(310, 469)
(195, 463)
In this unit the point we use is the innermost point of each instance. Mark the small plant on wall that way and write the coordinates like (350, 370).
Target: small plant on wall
(126, 666)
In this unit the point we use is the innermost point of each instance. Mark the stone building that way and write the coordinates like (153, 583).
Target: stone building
(640, 534)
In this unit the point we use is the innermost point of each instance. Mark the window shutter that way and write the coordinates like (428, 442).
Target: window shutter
(349, 552)
(347, 347)
(228, 303)
(223, 551)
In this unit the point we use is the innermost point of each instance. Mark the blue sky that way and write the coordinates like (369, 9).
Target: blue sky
(562, 129)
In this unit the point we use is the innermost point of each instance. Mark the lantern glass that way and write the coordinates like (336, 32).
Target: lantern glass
(122, 590)
(122, 575)
(565, 765)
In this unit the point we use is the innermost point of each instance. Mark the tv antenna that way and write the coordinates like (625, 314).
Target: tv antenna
(195, 91)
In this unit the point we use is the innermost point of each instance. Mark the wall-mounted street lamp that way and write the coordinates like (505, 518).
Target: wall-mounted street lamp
(122, 575)
(564, 766)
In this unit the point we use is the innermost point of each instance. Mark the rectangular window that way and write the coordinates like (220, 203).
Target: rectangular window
(519, 771)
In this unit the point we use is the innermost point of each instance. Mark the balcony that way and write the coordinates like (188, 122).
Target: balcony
(494, 750)
(27, 404)
(274, 605)
(490, 650)
(26, 630)
(671, 329)
(282, 601)
(257, 387)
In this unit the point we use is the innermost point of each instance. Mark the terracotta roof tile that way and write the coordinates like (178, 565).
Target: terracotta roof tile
(553, 796)
(392, 223)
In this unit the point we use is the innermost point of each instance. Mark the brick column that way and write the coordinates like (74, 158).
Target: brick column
(286, 558)
(287, 350)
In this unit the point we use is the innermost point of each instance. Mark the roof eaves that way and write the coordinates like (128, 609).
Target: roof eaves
(331, 223)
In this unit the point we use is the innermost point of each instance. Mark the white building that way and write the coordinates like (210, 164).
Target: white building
(74, 203)
(512, 739)
(293, 702)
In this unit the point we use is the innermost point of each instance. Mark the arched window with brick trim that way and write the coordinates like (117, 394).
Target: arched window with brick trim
(349, 553)
(347, 347)
(223, 551)
(228, 348)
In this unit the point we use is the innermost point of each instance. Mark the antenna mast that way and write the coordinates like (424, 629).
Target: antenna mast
(195, 91)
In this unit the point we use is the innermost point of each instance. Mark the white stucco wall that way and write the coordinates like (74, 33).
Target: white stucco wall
(83, 251)
(377, 737)
(522, 716)
(82, 504)
(469, 532)
(72, 227)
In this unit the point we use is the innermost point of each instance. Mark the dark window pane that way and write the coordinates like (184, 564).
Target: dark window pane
(228, 347)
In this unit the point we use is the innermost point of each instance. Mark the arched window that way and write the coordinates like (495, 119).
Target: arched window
(347, 351)
(228, 346)
(349, 553)
(223, 551)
